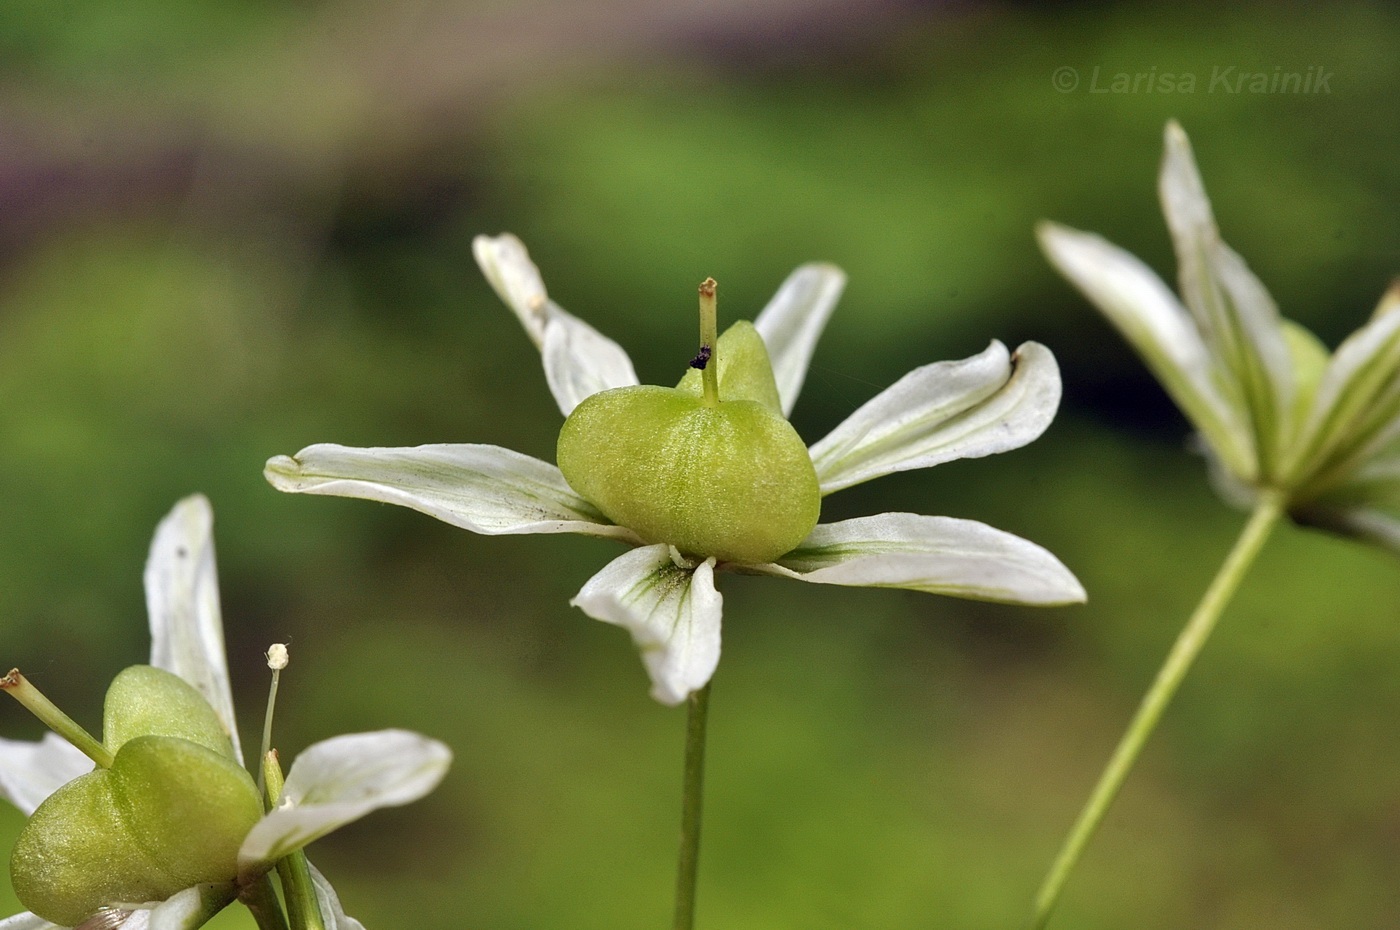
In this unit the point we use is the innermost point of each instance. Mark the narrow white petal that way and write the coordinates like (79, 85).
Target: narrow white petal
(31, 771)
(979, 406)
(793, 321)
(27, 921)
(1228, 301)
(182, 600)
(485, 489)
(578, 360)
(339, 780)
(332, 914)
(672, 611)
(1153, 321)
(185, 910)
(1355, 408)
(506, 264)
(939, 555)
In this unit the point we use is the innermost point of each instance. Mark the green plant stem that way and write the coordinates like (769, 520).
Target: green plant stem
(697, 711)
(1178, 662)
(303, 910)
(298, 890)
(260, 898)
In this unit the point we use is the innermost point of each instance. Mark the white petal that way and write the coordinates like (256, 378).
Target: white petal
(485, 489)
(27, 921)
(792, 322)
(332, 914)
(948, 410)
(1353, 410)
(1153, 321)
(939, 555)
(506, 264)
(182, 600)
(578, 360)
(340, 780)
(185, 910)
(1228, 301)
(672, 611)
(31, 771)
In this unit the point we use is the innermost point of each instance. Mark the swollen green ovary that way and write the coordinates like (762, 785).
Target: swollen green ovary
(733, 481)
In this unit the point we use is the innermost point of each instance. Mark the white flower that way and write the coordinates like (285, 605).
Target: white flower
(1278, 413)
(329, 785)
(989, 403)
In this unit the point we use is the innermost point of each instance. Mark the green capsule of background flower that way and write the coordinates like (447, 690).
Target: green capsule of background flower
(170, 812)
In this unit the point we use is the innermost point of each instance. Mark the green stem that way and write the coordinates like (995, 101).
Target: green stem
(19, 687)
(260, 898)
(303, 910)
(300, 892)
(697, 711)
(1178, 662)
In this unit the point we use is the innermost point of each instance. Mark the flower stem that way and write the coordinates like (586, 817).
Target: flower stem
(709, 339)
(260, 898)
(1169, 677)
(18, 687)
(697, 712)
(303, 911)
(300, 892)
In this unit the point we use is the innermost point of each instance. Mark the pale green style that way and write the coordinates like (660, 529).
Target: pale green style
(663, 591)
(170, 828)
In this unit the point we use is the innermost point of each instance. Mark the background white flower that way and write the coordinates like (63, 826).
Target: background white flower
(330, 784)
(1278, 412)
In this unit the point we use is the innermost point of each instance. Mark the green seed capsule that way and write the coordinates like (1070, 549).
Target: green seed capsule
(170, 812)
(714, 471)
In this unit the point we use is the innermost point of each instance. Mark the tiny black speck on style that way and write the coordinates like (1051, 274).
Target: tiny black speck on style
(701, 360)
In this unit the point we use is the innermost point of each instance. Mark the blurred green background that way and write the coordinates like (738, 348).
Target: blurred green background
(231, 228)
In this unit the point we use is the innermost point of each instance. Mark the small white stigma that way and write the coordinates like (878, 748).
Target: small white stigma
(680, 561)
(277, 657)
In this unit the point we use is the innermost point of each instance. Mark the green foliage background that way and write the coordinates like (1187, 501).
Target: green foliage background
(232, 228)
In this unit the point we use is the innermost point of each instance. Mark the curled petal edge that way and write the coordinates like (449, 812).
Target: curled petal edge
(992, 402)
